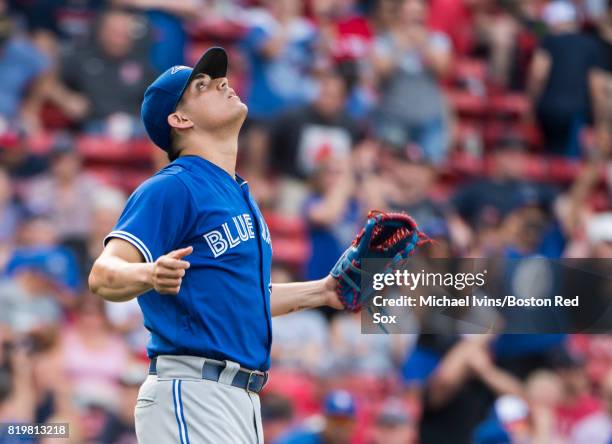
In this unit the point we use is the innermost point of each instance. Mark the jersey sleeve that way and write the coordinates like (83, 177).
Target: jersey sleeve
(157, 217)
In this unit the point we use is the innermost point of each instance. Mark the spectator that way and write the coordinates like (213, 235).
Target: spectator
(574, 209)
(37, 231)
(18, 159)
(30, 298)
(604, 90)
(333, 214)
(120, 428)
(353, 353)
(345, 33)
(280, 50)
(106, 206)
(70, 20)
(544, 392)
(345, 40)
(455, 19)
(95, 409)
(321, 130)
(456, 379)
(578, 402)
(598, 428)
(90, 355)
(10, 216)
(126, 319)
(525, 228)
(410, 178)
(22, 67)
(17, 394)
(591, 276)
(276, 413)
(408, 61)
(507, 423)
(339, 424)
(289, 349)
(301, 338)
(484, 212)
(254, 163)
(561, 79)
(106, 94)
(65, 194)
(168, 21)
(599, 235)
(393, 425)
(57, 264)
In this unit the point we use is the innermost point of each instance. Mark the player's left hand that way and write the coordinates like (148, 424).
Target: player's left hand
(330, 293)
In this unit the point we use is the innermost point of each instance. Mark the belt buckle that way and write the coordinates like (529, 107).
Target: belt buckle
(248, 384)
(264, 375)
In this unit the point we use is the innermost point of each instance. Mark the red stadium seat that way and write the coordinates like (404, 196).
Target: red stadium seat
(464, 164)
(217, 30)
(601, 200)
(291, 246)
(467, 104)
(53, 118)
(494, 131)
(468, 73)
(563, 169)
(300, 389)
(40, 143)
(127, 179)
(100, 149)
(509, 105)
(536, 168)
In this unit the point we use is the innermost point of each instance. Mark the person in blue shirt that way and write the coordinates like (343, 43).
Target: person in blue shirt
(22, 68)
(280, 48)
(340, 411)
(193, 246)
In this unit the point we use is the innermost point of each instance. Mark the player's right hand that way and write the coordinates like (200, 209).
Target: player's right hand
(168, 271)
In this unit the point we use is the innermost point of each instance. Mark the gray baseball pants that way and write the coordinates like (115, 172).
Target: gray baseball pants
(177, 406)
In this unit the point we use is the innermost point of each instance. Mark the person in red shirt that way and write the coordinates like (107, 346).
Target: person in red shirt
(347, 35)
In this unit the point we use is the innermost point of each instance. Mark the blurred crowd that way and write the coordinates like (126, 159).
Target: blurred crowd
(488, 121)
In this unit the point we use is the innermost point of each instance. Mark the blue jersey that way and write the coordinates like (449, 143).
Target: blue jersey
(223, 308)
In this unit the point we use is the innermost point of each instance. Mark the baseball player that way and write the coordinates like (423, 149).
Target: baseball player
(193, 246)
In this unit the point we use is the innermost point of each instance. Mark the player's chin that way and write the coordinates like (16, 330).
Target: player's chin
(242, 109)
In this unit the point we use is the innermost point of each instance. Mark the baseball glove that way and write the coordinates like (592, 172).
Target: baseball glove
(390, 236)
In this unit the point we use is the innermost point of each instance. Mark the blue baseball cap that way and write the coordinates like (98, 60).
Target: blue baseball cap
(163, 95)
(339, 403)
(55, 263)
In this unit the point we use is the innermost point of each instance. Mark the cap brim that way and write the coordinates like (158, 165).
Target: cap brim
(213, 63)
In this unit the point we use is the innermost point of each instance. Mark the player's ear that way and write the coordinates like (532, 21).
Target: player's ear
(179, 120)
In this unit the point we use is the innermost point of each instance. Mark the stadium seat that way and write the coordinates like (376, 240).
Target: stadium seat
(291, 246)
(468, 73)
(495, 130)
(467, 104)
(301, 389)
(100, 149)
(509, 105)
(53, 118)
(127, 179)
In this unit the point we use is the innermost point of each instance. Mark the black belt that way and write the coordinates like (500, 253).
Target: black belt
(249, 380)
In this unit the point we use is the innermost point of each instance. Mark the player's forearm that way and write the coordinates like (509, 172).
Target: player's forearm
(287, 298)
(117, 280)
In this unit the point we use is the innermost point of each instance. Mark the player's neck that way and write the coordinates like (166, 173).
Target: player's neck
(220, 151)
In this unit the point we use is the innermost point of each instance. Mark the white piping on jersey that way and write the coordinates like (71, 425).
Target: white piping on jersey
(140, 245)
